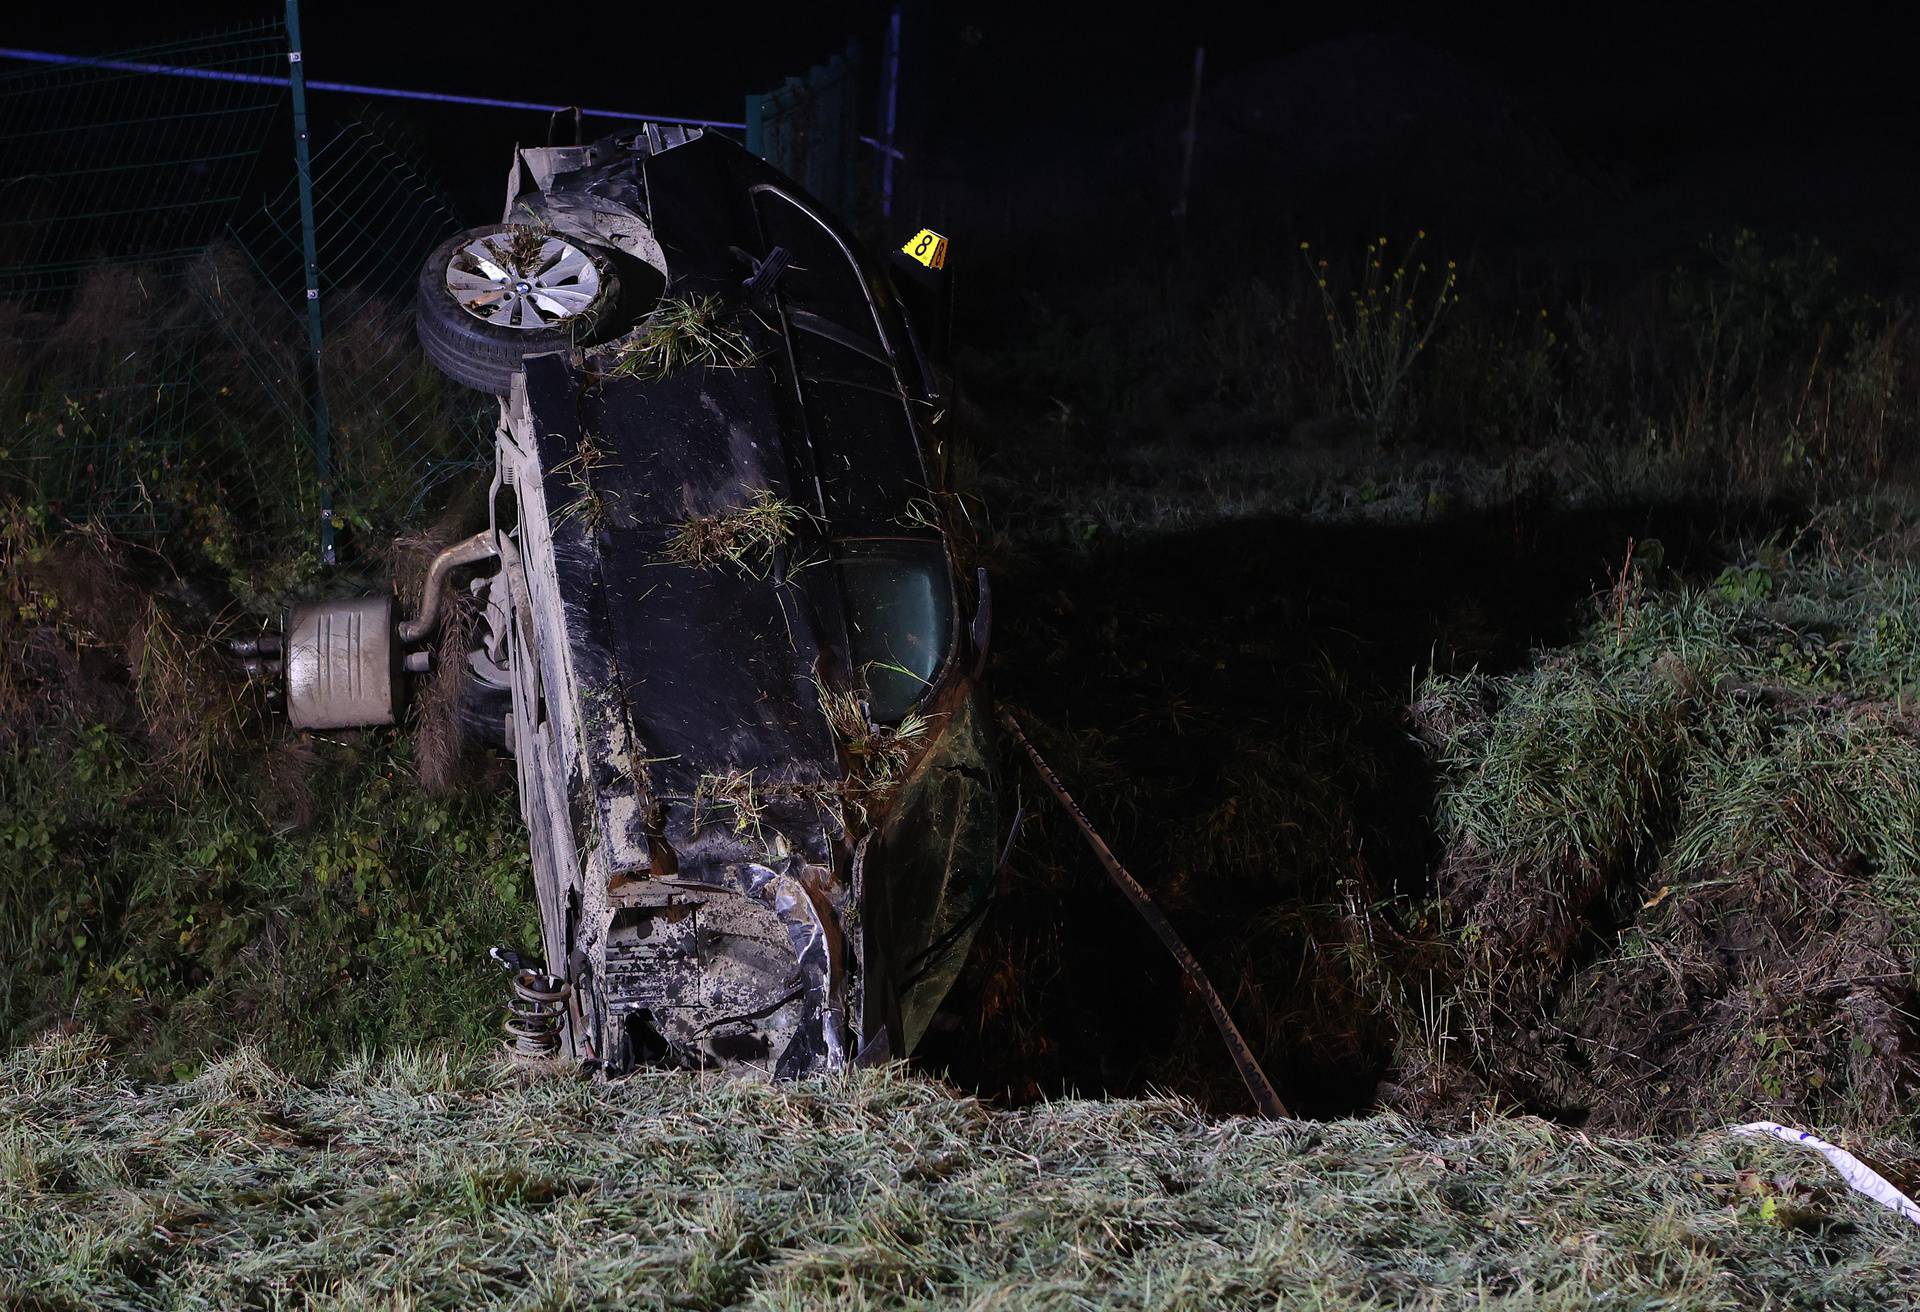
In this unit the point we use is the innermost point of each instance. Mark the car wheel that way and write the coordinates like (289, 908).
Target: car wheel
(490, 297)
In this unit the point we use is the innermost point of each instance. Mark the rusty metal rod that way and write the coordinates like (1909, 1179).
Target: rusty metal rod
(1255, 1079)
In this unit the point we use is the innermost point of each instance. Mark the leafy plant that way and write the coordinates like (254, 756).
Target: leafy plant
(1383, 323)
(184, 921)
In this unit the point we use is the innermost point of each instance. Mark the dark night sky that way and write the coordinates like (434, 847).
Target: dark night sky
(1639, 78)
(1655, 92)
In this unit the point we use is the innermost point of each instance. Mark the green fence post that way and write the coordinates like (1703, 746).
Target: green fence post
(322, 436)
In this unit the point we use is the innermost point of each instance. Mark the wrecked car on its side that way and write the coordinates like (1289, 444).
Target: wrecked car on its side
(723, 630)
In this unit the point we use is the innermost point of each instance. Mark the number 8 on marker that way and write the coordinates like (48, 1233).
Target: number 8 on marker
(928, 247)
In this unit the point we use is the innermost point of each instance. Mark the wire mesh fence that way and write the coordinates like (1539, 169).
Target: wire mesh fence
(153, 354)
(398, 427)
(113, 186)
(155, 368)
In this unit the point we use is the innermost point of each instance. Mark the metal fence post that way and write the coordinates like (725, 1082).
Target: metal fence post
(757, 125)
(891, 99)
(317, 404)
(1192, 134)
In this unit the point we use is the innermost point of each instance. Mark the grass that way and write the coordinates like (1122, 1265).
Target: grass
(687, 332)
(524, 242)
(1764, 714)
(178, 874)
(422, 1179)
(877, 760)
(588, 503)
(89, 594)
(1684, 851)
(186, 925)
(1218, 587)
(878, 756)
(161, 398)
(745, 538)
(1657, 876)
(733, 796)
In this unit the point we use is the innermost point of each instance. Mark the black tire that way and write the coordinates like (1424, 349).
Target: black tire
(485, 356)
(483, 712)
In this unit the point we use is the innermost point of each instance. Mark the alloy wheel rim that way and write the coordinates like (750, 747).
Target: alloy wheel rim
(523, 278)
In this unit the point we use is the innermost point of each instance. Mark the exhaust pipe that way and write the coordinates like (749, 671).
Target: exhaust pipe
(474, 549)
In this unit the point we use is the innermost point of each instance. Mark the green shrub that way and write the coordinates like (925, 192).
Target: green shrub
(181, 921)
(1380, 324)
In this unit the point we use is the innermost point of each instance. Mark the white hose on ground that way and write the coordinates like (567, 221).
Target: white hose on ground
(1860, 1177)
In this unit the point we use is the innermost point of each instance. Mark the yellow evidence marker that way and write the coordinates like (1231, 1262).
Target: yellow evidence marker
(928, 247)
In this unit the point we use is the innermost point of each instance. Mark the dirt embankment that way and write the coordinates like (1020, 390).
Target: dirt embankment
(1682, 881)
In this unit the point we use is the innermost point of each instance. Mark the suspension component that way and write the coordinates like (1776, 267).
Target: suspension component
(536, 1007)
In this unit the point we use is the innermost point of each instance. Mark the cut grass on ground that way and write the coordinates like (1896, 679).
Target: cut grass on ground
(425, 1181)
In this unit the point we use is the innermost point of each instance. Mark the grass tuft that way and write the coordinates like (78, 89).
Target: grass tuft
(1683, 871)
(732, 796)
(683, 333)
(878, 756)
(745, 538)
(589, 504)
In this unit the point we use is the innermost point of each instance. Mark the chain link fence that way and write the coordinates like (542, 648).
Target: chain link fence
(399, 428)
(114, 186)
(154, 370)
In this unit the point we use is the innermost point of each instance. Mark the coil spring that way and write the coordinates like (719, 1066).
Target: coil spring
(534, 1013)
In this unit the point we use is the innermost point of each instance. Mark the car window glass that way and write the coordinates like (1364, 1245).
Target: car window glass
(820, 279)
(865, 454)
(899, 620)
